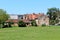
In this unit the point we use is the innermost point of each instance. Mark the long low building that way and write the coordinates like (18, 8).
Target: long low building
(40, 18)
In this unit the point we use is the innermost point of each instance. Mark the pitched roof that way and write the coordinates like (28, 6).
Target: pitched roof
(15, 20)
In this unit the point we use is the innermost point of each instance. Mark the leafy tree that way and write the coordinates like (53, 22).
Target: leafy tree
(53, 14)
(3, 16)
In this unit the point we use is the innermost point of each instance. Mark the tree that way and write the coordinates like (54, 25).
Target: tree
(53, 14)
(3, 16)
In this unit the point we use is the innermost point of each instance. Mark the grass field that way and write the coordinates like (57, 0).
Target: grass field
(30, 33)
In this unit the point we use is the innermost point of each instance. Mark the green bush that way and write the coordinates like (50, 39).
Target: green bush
(53, 22)
(21, 24)
(6, 24)
(1, 25)
(43, 25)
(33, 23)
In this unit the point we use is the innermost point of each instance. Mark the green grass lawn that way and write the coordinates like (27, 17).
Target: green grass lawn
(30, 33)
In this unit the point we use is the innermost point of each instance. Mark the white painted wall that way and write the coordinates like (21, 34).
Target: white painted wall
(13, 17)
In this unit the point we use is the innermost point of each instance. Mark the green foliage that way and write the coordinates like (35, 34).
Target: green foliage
(3, 16)
(22, 24)
(53, 14)
(43, 25)
(6, 25)
(33, 23)
(52, 22)
(1, 25)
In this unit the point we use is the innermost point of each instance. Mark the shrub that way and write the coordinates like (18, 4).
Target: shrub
(21, 24)
(1, 25)
(43, 25)
(53, 22)
(7, 24)
(33, 23)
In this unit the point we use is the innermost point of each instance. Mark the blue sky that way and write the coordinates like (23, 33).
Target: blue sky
(28, 6)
